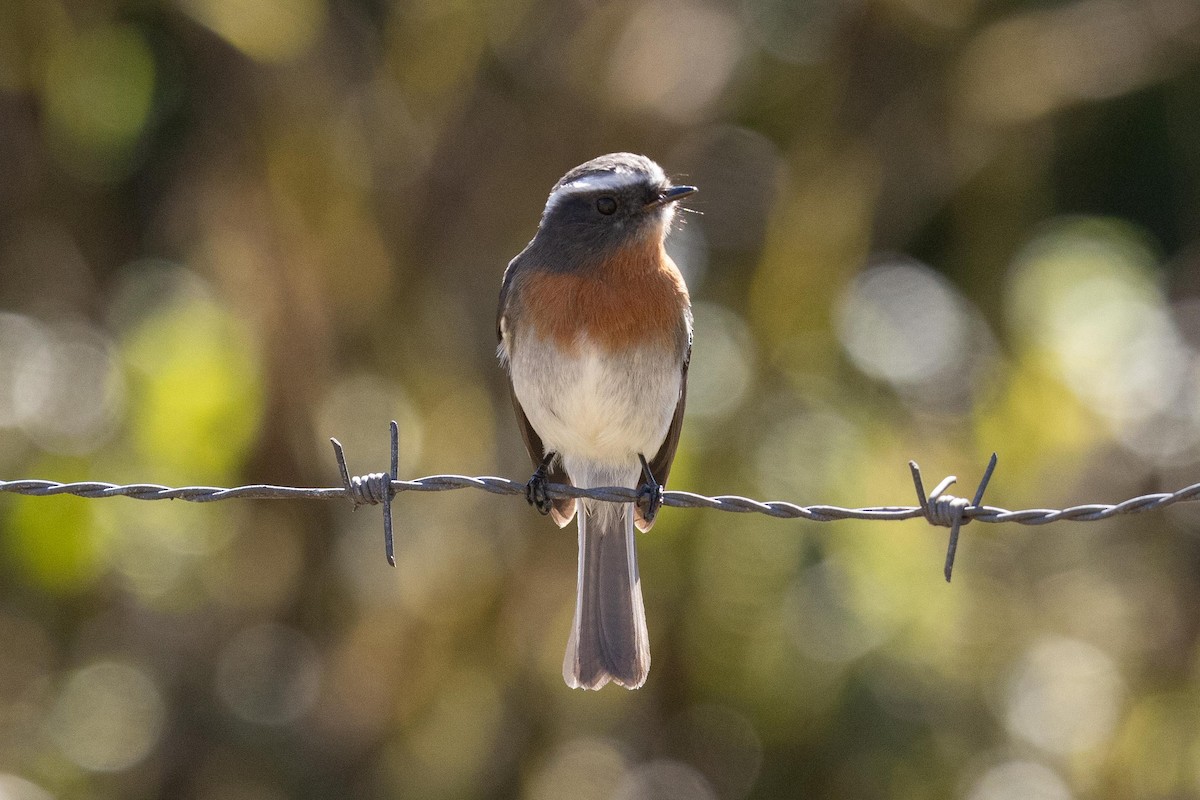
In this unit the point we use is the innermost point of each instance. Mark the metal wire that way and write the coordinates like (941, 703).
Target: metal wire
(441, 483)
(938, 508)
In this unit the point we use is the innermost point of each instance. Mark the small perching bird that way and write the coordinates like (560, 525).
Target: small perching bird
(595, 329)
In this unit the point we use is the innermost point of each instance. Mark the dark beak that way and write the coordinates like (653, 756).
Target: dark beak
(670, 196)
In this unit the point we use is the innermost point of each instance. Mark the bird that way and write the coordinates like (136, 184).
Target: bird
(595, 332)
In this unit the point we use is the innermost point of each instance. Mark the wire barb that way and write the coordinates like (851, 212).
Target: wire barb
(374, 487)
(947, 510)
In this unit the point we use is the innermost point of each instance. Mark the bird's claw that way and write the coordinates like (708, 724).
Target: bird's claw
(535, 489)
(649, 493)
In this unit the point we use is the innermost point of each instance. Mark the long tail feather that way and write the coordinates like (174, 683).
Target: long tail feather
(608, 637)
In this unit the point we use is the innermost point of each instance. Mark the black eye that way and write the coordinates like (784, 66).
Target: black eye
(606, 205)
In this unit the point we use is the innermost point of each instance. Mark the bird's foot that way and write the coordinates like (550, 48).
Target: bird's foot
(649, 493)
(535, 490)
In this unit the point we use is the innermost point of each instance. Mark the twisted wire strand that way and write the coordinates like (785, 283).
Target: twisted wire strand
(1089, 512)
(938, 508)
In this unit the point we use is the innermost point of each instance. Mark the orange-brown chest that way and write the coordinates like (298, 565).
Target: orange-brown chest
(636, 299)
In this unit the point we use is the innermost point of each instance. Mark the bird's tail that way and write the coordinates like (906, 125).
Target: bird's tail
(608, 636)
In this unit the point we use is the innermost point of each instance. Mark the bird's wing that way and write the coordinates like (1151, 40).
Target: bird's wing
(562, 509)
(660, 465)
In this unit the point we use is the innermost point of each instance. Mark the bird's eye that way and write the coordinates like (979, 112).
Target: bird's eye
(606, 205)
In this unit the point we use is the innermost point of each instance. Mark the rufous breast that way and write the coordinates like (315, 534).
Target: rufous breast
(634, 300)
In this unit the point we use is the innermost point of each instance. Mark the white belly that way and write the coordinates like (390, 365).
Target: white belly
(590, 405)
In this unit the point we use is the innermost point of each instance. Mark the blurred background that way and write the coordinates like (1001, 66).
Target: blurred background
(929, 229)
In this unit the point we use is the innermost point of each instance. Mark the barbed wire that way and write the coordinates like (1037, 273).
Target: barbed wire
(937, 508)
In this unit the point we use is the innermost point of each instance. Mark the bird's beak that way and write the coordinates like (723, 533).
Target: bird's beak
(670, 196)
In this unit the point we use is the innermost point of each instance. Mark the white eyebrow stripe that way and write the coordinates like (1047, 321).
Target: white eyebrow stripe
(610, 180)
(614, 181)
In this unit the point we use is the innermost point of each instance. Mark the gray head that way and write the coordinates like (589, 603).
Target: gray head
(608, 203)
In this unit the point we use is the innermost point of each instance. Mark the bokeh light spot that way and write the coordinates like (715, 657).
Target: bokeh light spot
(1086, 293)
(67, 390)
(903, 323)
(584, 769)
(1064, 696)
(1001, 78)
(269, 674)
(1020, 780)
(20, 338)
(265, 30)
(674, 58)
(14, 787)
(1027, 65)
(664, 779)
(108, 717)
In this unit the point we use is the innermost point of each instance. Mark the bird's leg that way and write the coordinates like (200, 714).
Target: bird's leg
(535, 490)
(649, 493)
